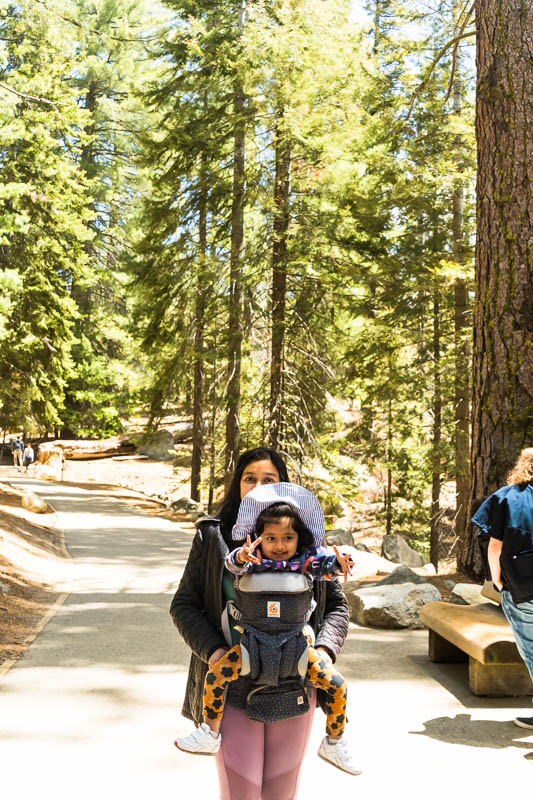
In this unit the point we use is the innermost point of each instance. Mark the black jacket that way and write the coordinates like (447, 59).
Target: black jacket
(197, 607)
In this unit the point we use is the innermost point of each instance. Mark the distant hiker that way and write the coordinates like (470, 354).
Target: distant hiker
(28, 456)
(505, 521)
(18, 447)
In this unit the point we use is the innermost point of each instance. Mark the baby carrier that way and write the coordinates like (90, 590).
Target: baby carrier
(273, 609)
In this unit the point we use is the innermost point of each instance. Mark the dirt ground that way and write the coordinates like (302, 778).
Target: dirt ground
(30, 543)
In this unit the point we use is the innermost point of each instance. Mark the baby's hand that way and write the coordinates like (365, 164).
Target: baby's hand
(345, 563)
(246, 555)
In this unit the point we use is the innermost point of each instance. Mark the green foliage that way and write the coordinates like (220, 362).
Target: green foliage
(116, 194)
(43, 219)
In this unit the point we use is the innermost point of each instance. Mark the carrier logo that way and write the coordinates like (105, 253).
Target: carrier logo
(273, 609)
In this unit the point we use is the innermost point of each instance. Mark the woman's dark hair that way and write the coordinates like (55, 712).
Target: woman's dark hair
(229, 507)
(275, 512)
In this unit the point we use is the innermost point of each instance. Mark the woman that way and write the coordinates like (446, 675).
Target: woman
(257, 761)
(505, 521)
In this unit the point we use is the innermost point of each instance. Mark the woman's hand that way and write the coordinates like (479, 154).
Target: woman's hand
(217, 655)
(345, 562)
(246, 553)
(325, 655)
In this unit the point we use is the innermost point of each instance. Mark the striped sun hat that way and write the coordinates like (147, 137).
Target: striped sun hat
(301, 499)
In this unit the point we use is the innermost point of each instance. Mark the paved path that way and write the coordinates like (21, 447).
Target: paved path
(92, 709)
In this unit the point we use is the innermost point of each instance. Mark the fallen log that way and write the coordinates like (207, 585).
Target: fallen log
(82, 449)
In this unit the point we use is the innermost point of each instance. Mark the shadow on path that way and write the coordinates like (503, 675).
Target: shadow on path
(464, 730)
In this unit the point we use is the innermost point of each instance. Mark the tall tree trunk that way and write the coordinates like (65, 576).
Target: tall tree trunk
(462, 349)
(388, 500)
(436, 437)
(199, 322)
(502, 394)
(282, 188)
(233, 402)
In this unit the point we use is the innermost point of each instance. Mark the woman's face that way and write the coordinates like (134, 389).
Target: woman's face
(258, 473)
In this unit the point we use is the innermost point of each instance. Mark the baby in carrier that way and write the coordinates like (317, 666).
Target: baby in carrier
(273, 602)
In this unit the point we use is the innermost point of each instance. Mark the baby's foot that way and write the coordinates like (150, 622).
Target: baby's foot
(338, 754)
(201, 741)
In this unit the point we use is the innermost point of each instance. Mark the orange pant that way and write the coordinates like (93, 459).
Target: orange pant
(319, 674)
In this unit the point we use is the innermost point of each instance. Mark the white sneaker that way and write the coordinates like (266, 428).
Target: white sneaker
(338, 755)
(200, 741)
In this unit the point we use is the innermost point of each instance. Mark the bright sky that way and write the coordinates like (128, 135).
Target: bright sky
(358, 12)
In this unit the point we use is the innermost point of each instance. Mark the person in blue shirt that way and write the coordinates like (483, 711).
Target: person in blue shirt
(505, 522)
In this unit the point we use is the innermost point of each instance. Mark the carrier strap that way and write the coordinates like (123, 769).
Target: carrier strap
(236, 614)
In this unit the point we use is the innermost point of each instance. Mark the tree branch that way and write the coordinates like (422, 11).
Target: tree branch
(31, 96)
(428, 74)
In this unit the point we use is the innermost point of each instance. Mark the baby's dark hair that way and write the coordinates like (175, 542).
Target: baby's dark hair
(277, 511)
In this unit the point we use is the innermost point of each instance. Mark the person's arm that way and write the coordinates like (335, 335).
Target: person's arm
(493, 553)
(188, 611)
(334, 628)
(324, 564)
(235, 564)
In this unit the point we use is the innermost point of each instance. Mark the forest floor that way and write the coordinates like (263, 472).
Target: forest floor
(34, 561)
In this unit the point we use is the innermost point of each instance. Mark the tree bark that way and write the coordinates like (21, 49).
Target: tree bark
(502, 396)
(86, 449)
(388, 496)
(436, 438)
(461, 321)
(233, 402)
(199, 322)
(282, 188)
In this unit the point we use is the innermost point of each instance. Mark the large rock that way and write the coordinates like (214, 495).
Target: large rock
(368, 563)
(32, 502)
(47, 472)
(190, 508)
(394, 606)
(466, 594)
(402, 574)
(158, 445)
(395, 548)
(339, 537)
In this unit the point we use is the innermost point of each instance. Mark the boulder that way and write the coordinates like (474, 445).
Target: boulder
(395, 606)
(466, 594)
(190, 508)
(426, 569)
(32, 502)
(368, 563)
(339, 537)
(47, 472)
(158, 445)
(395, 548)
(402, 574)
(4, 588)
(363, 547)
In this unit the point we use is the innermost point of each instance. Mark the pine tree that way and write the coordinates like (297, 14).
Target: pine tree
(43, 216)
(502, 394)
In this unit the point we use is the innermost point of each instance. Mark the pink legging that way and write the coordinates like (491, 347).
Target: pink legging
(259, 761)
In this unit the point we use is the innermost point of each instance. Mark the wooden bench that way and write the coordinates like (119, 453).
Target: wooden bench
(480, 634)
